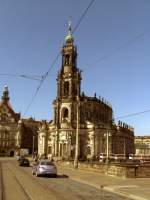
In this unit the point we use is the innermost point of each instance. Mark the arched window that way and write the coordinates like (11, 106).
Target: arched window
(66, 88)
(67, 59)
(65, 114)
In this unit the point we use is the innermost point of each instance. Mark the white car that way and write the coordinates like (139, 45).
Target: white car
(44, 167)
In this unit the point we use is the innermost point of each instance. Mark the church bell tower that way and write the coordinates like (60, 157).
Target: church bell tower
(69, 76)
(68, 83)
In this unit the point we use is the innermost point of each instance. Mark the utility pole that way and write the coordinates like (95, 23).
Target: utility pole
(107, 145)
(124, 148)
(77, 128)
(33, 147)
(77, 136)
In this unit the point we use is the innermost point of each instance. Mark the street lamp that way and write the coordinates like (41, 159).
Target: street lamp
(108, 134)
(33, 146)
(77, 137)
(77, 129)
(124, 148)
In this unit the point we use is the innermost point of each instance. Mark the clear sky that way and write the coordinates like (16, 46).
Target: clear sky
(113, 43)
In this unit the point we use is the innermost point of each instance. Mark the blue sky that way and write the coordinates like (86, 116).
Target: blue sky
(113, 43)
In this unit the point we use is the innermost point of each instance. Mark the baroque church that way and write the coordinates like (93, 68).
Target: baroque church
(82, 126)
(15, 133)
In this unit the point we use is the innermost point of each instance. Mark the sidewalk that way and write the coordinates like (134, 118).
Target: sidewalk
(133, 188)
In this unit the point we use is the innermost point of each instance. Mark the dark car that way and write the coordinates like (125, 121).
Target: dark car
(44, 167)
(24, 162)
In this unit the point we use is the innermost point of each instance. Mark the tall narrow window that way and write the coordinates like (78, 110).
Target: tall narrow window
(66, 88)
(65, 115)
(67, 59)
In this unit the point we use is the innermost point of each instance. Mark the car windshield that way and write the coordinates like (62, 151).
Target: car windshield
(47, 163)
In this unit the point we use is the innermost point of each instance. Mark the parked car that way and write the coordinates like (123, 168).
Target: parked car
(24, 162)
(44, 167)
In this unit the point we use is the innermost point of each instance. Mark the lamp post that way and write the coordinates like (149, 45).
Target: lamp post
(108, 134)
(33, 146)
(77, 137)
(78, 121)
(124, 148)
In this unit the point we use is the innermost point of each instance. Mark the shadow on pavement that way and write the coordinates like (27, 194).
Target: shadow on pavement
(62, 176)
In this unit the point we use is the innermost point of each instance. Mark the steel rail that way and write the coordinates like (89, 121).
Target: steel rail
(2, 188)
(24, 191)
(26, 194)
(40, 182)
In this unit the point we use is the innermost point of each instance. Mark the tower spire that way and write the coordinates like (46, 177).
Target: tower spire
(69, 37)
(5, 95)
(69, 28)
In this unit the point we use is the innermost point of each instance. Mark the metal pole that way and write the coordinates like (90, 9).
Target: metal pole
(77, 137)
(107, 152)
(124, 149)
(33, 147)
(77, 128)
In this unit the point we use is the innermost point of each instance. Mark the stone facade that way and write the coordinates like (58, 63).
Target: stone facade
(15, 133)
(27, 134)
(142, 145)
(82, 126)
(8, 125)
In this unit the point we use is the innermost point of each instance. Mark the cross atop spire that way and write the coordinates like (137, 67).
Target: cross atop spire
(69, 28)
(69, 37)
(5, 95)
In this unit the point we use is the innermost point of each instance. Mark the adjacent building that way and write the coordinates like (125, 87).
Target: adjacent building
(82, 126)
(15, 133)
(8, 125)
(142, 145)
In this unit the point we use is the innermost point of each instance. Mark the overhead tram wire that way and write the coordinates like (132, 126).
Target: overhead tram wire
(36, 78)
(117, 49)
(39, 86)
(132, 114)
(128, 43)
(82, 16)
(56, 58)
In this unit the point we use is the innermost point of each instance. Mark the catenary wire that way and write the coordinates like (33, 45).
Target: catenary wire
(36, 78)
(126, 44)
(32, 77)
(82, 16)
(132, 114)
(39, 86)
(56, 58)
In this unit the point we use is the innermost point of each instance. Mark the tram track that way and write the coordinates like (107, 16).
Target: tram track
(23, 189)
(6, 192)
(58, 193)
(29, 187)
(2, 189)
(51, 192)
